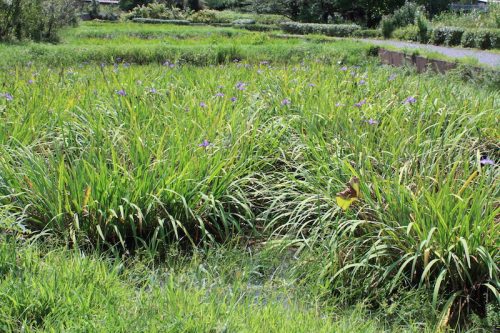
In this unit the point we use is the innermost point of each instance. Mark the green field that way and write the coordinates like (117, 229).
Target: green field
(185, 179)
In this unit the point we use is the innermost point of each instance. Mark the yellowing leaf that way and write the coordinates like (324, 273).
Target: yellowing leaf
(345, 203)
(349, 195)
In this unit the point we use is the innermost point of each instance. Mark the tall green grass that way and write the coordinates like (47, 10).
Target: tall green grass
(131, 157)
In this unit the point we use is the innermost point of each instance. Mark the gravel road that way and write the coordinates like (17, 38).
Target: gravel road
(484, 57)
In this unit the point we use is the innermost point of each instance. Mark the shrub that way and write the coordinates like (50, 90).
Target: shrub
(387, 26)
(406, 15)
(38, 20)
(447, 35)
(160, 21)
(481, 38)
(256, 27)
(335, 30)
(423, 28)
(410, 32)
(157, 11)
(204, 16)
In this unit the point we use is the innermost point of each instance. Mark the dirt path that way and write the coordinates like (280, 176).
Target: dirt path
(484, 57)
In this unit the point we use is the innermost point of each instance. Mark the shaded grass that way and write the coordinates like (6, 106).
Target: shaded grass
(60, 290)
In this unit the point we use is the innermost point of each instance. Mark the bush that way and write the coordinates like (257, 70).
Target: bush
(335, 30)
(447, 35)
(36, 20)
(256, 27)
(203, 16)
(481, 38)
(160, 21)
(367, 33)
(407, 33)
(406, 15)
(387, 26)
(423, 29)
(157, 11)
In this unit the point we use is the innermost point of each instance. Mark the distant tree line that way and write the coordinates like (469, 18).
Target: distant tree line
(365, 12)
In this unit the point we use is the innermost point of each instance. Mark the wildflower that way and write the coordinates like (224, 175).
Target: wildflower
(372, 121)
(203, 104)
(241, 86)
(487, 161)
(360, 104)
(410, 100)
(219, 94)
(166, 63)
(233, 99)
(153, 91)
(121, 92)
(259, 71)
(362, 82)
(7, 96)
(30, 81)
(339, 104)
(343, 69)
(311, 85)
(285, 102)
(392, 77)
(204, 144)
(172, 65)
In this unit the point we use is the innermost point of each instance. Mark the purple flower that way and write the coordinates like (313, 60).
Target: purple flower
(360, 104)
(153, 91)
(219, 94)
(30, 81)
(172, 65)
(203, 104)
(311, 85)
(7, 96)
(362, 82)
(392, 77)
(372, 121)
(343, 69)
(286, 101)
(410, 100)
(233, 99)
(487, 161)
(339, 104)
(204, 144)
(121, 92)
(240, 86)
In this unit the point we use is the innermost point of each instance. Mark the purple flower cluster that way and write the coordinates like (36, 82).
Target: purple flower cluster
(204, 144)
(219, 94)
(7, 96)
(203, 105)
(241, 85)
(285, 102)
(360, 103)
(121, 92)
(487, 161)
(410, 100)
